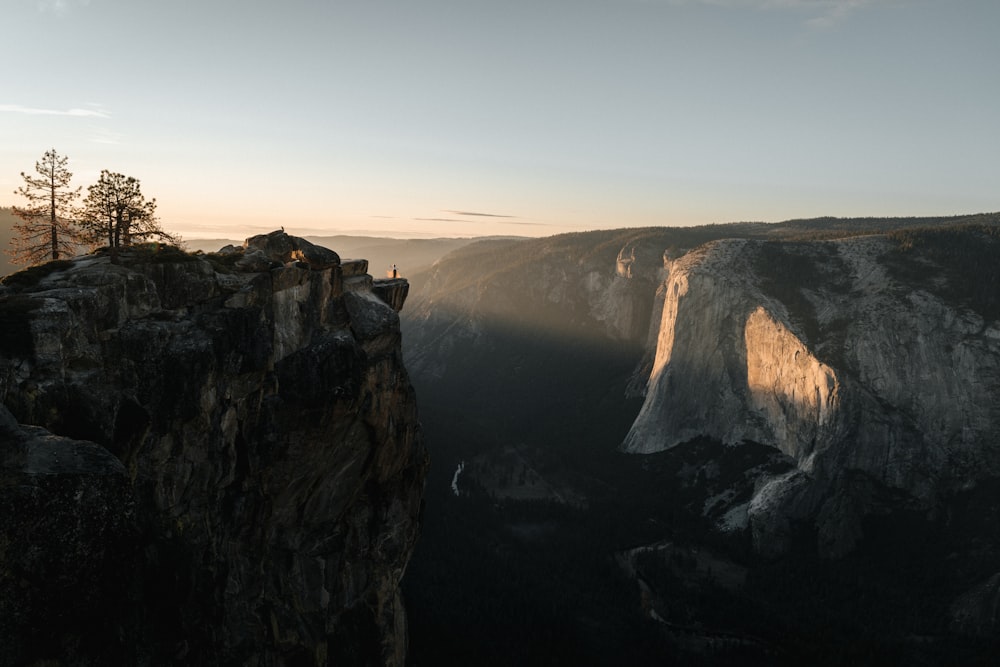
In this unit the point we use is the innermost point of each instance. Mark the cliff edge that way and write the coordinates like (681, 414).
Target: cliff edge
(223, 465)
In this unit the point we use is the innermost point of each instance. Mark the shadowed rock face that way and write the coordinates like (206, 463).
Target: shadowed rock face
(238, 469)
(68, 534)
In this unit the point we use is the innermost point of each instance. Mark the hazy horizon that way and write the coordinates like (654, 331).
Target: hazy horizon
(445, 119)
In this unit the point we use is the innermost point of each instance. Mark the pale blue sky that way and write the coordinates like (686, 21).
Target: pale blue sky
(405, 116)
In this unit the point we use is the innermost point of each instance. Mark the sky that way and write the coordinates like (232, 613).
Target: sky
(418, 118)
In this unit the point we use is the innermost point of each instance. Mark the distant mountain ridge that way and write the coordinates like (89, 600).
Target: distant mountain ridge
(410, 256)
(7, 221)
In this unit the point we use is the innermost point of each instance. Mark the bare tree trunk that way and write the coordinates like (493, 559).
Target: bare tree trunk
(52, 221)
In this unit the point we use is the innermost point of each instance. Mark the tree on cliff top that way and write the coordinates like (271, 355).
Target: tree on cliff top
(115, 213)
(45, 232)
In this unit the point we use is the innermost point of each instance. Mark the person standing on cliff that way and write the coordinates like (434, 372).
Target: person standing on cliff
(394, 274)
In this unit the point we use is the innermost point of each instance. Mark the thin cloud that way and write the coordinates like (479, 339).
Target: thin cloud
(60, 8)
(33, 111)
(504, 222)
(822, 5)
(102, 136)
(483, 215)
(825, 13)
(837, 13)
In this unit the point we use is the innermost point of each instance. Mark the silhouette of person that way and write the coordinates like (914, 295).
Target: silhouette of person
(394, 274)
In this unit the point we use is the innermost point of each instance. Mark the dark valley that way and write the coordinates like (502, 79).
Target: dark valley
(734, 444)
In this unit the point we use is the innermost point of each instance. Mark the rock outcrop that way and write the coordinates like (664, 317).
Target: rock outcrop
(68, 539)
(977, 612)
(820, 350)
(224, 463)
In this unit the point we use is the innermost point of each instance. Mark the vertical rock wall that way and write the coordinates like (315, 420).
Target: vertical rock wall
(797, 394)
(839, 365)
(267, 430)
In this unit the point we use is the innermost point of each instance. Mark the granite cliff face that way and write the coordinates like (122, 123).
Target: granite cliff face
(832, 353)
(224, 463)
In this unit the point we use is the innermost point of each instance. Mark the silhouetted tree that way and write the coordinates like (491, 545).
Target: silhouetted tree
(45, 232)
(115, 213)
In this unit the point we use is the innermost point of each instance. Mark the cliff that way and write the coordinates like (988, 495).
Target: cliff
(822, 393)
(852, 356)
(224, 463)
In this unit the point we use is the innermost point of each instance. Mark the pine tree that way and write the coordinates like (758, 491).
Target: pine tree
(45, 231)
(116, 214)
